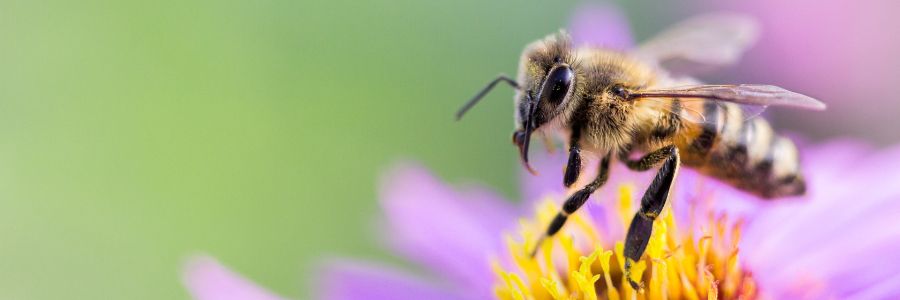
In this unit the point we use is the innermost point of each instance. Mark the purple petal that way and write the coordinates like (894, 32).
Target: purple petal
(888, 287)
(846, 164)
(207, 279)
(601, 24)
(452, 233)
(845, 236)
(356, 280)
(828, 163)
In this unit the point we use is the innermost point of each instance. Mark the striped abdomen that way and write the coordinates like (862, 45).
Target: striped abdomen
(744, 153)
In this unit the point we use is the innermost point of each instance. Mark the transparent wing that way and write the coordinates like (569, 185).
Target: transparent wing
(747, 112)
(701, 44)
(749, 94)
(690, 113)
(752, 99)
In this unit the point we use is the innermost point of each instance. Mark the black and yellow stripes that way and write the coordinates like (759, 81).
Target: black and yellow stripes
(744, 153)
(710, 129)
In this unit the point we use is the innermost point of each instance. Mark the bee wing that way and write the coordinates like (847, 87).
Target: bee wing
(752, 99)
(748, 112)
(701, 44)
(744, 94)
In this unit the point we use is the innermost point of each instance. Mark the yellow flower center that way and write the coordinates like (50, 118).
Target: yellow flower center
(575, 265)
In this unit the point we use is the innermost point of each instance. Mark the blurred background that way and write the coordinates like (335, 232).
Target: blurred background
(134, 134)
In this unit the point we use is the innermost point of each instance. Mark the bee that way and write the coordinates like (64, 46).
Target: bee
(617, 104)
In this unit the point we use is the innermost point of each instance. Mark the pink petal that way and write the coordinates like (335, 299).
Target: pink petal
(452, 233)
(207, 279)
(601, 25)
(844, 238)
(342, 280)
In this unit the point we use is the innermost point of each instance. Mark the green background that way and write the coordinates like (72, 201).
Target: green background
(134, 134)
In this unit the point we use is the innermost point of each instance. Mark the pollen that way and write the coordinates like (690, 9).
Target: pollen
(584, 261)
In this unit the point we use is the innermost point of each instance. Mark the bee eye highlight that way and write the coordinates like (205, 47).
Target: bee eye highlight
(619, 91)
(557, 84)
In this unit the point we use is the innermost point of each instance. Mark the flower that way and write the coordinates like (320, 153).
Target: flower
(838, 241)
(841, 240)
(207, 279)
(677, 266)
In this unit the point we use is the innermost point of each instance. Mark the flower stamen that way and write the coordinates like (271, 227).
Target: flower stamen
(575, 265)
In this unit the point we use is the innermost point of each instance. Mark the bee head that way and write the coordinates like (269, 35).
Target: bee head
(547, 78)
(548, 86)
(547, 81)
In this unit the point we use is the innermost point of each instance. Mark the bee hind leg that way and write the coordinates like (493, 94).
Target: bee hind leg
(652, 204)
(574, 202)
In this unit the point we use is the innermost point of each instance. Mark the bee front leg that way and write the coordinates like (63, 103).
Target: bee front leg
(574, 202)
(652, 204)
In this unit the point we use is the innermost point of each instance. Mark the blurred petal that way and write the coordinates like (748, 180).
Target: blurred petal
(346, 280)
(207, 279)
(452, 233)
(887, 288)
(847, 60)
(601, 24)
(844, 237)
(549, 181)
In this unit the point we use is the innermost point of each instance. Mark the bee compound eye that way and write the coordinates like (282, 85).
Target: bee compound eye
(619, 91)
(557, 84)
(517, 137)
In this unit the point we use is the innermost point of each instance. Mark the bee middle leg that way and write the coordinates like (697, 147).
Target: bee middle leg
(652, 204)
(573, 166)
(574, 202)
(649, 160)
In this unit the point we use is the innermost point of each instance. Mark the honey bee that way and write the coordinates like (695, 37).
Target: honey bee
(615, 104)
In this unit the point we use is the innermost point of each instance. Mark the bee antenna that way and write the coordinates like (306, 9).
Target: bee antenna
(502, 77)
